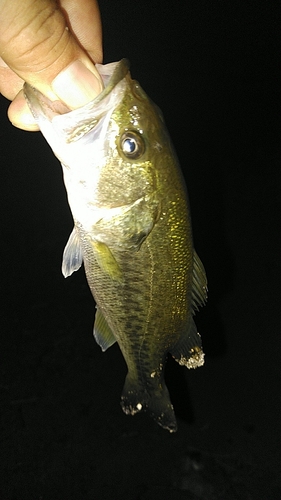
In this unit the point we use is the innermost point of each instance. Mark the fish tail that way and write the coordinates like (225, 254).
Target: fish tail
(153, 399)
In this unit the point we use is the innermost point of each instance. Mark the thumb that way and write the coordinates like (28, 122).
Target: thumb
(37, 45)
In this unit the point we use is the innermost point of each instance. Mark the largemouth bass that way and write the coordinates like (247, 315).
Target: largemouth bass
(132, 230)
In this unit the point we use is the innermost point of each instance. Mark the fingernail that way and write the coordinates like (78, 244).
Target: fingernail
(77, 85)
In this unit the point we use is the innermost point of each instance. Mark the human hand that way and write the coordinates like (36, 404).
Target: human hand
(53, 46)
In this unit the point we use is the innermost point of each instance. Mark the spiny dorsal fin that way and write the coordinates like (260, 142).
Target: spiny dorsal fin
(102, 333)
(199, 285)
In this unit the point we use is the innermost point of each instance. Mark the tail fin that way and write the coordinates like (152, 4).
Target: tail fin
(153, 399)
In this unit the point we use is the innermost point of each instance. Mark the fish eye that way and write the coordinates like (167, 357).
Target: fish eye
(132, 144)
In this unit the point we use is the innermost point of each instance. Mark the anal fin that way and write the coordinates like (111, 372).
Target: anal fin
(102, 333)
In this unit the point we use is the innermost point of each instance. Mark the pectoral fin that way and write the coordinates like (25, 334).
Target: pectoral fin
(72, 255)
(102, 333)
(106, 260)
(128, 226)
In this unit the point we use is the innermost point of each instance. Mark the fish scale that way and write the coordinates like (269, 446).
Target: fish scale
(132, 230)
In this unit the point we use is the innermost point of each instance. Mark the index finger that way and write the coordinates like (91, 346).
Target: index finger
(37, 44)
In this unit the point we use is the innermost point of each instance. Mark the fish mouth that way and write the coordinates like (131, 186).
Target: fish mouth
(75, 123)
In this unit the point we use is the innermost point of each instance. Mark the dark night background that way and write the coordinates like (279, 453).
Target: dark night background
(213, 68)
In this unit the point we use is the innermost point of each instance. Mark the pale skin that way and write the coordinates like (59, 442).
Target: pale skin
(53, 45)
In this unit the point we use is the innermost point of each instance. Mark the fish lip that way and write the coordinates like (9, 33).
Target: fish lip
(120, 71)
(47, 107)
(52, 109)
(72, 125)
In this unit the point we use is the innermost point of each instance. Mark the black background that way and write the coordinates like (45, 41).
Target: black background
(213, 68)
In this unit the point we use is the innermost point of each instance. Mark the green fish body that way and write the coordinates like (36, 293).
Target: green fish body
(132, 230)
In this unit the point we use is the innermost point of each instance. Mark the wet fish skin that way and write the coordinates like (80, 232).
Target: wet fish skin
(132, 229)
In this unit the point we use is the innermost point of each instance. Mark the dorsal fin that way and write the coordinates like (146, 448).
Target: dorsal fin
(188, 351)
(199, 285)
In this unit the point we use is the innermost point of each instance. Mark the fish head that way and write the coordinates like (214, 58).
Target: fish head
(110, 149)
